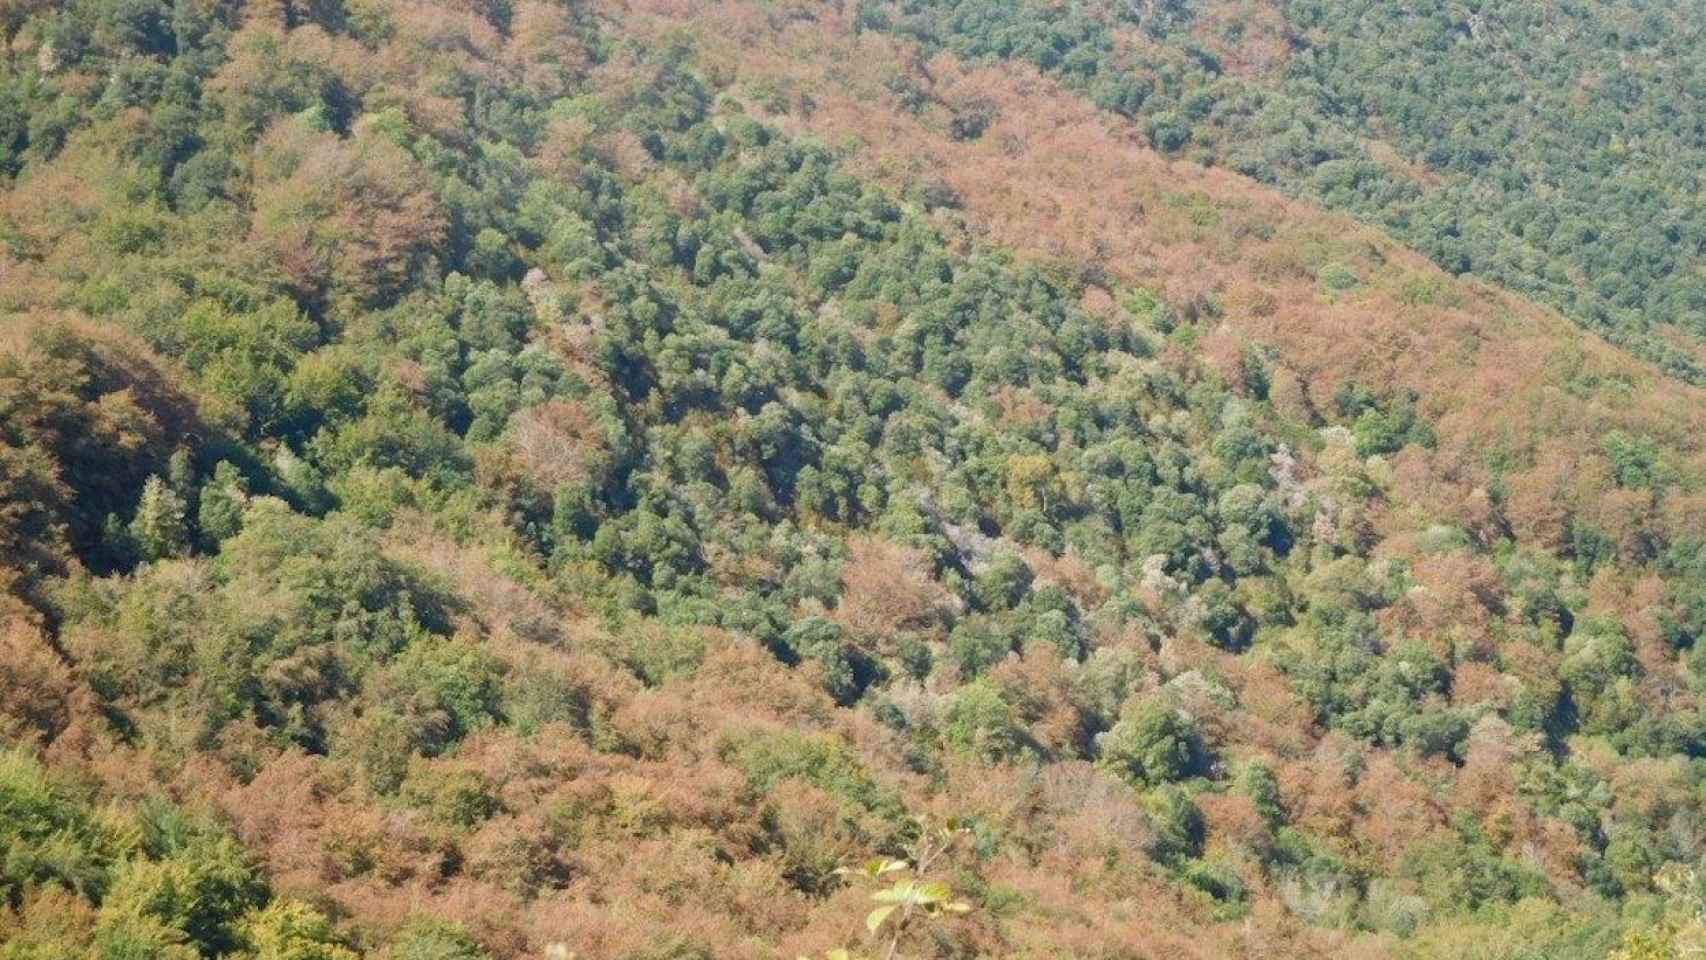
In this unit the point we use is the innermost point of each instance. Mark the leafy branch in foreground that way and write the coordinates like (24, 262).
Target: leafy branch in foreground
(909, 896)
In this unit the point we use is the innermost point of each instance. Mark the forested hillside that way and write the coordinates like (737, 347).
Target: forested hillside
(1554, 148)
(639, 480)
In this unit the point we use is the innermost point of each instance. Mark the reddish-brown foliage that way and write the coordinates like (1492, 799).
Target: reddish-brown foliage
(887, 589)
(349, 214)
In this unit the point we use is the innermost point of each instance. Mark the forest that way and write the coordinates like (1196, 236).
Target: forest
(1553, 148)
(774, 479)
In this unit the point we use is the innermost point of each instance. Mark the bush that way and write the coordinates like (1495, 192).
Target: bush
(1435, 732)
(1004, 584)
(461, 798)
(1216, 878)
(1462, 872)
(817, 640)
(49, 835)
(658, 654)
(1259, 784)
(976, 644)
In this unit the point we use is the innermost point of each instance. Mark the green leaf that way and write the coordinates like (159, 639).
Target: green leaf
(873, 869)
(936, 892)
(875, 920)
(902, 892)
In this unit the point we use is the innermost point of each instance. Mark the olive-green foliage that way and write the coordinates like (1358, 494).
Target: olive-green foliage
(296, 614)
(1685, 620)
(821, 641)
(659, 654)
(536, 695)
(978, 643)
(166, 882)
(980, 721)
(1005, 583)
(1152, 744)
(426, 938)
(202, 890)
(463, 799)
(1598, 663)
(159, 529)
(1379, 427)
(1177, 824)
(819, 760)
(1216, 878)
(51, 834)
(290, 930)
(1377, 696)
(1258, 783)
(219, 507)
(455, 678)
(1463, 870)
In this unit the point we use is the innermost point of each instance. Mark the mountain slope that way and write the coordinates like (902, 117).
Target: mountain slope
(1514, 394)
(555, 478)
(1552, 148)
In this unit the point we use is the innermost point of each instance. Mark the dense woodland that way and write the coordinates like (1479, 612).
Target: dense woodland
(645, 480)
(1555, 148)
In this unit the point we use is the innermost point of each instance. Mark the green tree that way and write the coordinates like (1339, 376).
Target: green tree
(219, 510)
(1152, 744)
(425, 938)
(159, 529)
(290, 930)
(203, 891)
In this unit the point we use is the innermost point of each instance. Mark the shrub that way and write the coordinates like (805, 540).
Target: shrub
(1259, 784)
(461, 798)
(1464, 872)
(658, 654)
(820, 641)
(1005, 583)
(978, 643)
(48, 833)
